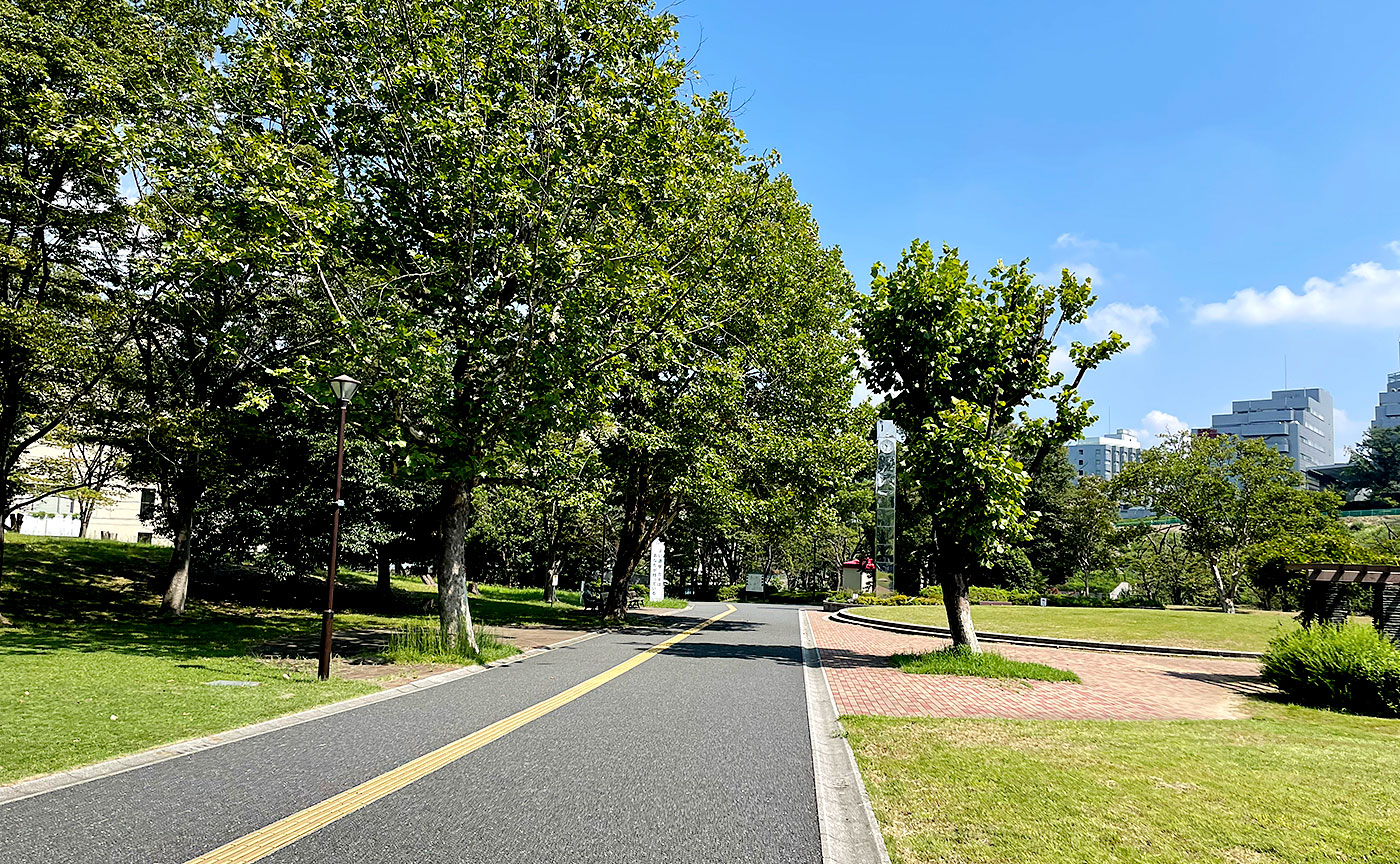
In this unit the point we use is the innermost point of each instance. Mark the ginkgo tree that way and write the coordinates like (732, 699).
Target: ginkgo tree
(966, 366)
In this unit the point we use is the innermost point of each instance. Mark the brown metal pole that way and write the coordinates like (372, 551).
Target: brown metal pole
(324, 671)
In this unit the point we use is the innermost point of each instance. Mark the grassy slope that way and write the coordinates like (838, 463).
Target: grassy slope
(1291, 785)
(87, 643)
(1243, 631)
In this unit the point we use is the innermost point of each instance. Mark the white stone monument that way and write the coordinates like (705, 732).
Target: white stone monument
(658, 569)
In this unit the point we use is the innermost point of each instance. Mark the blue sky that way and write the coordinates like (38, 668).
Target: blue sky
(1191, 156)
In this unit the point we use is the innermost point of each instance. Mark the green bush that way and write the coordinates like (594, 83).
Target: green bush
(729, 592)
(1347, 668)
(932, 592)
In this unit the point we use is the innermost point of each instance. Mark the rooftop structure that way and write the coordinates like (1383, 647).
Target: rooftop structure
(1297, 423)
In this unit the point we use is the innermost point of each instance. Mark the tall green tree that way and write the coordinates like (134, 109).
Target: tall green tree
(78, 81)
(754, 360)
(1375, 465)
(1229, 493)
(499, 162)
(1090, 514)
(964, 361)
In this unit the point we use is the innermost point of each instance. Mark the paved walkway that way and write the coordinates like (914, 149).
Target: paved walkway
(1115, 686)
(581, 755)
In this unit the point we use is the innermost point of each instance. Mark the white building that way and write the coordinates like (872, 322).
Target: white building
(1297, 423)
(1104, 456)
(129, 517)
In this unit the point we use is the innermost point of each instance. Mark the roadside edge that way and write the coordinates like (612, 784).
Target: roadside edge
(75, 776)
(850, 833)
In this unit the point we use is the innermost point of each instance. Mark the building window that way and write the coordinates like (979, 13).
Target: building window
(148, 506)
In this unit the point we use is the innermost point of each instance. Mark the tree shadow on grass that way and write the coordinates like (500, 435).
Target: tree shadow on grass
(91, 595)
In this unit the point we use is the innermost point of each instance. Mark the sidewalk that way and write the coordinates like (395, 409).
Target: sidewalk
(1115, 686)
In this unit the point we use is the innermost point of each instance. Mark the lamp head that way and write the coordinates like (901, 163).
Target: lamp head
(343, 386)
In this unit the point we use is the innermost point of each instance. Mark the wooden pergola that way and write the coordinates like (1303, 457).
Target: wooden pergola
(1327, 597)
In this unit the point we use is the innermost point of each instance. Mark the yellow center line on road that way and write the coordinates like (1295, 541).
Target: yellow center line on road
(284, 832)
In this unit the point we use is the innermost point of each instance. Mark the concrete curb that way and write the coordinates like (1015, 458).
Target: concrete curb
(846, 617)
(850, 833)
(64, 779)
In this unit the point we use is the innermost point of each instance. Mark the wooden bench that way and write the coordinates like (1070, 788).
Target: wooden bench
(593, 594)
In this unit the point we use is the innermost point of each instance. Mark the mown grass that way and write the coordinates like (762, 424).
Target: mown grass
(958, 660)
(1291, 785)
(85, 641)
(1243, 631)
(666, 603)
(68, 707)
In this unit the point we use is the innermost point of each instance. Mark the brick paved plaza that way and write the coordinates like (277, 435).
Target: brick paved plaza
(1115, 686)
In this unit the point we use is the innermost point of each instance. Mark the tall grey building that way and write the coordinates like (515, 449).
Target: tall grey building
(1105, 455)
(1388, 409)
(1297, 423)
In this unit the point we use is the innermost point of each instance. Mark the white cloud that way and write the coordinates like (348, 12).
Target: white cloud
(1084, 270)
(1135, 323)
(1157, 425)
(1060, 362)
(1368, 295)
(1394, 247)
(1074, 241)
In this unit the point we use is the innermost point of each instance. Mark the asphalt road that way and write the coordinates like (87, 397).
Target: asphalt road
(700, 754)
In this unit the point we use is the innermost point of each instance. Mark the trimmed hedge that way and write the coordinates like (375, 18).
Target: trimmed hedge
(978, 594)
(1348, 668)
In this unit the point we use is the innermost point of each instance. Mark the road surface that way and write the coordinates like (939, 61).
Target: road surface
(602, 751)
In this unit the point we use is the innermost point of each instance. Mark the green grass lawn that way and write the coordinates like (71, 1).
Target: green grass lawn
(1243, 631)
(666, 603)
(86, 642)
(987, 664)
(1290, 785)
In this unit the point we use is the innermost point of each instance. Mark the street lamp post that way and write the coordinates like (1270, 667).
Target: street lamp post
(343, 386)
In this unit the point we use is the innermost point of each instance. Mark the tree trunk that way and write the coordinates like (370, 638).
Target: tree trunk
(631, 537)
(452, 563)
(629, 554)
(1227, 603)
(176, 592)
(385, 584)
(959, 607)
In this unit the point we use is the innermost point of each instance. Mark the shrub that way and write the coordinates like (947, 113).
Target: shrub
(841, 595)
(933, 592)
(1347, 668)
(729, 592)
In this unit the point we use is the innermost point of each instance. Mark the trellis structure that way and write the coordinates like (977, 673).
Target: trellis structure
(1327, 597)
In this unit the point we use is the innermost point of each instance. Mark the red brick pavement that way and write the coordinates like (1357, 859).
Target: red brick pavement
(1115, 686)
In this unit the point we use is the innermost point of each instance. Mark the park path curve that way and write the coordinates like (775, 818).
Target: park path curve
(1115, 686)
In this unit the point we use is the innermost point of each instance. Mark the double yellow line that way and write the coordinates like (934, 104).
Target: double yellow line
(284, 832)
